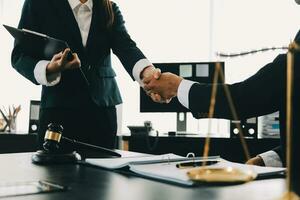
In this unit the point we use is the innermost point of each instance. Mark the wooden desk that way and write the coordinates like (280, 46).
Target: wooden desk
(94, 183)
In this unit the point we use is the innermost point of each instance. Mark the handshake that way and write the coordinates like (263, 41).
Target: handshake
(161, 87)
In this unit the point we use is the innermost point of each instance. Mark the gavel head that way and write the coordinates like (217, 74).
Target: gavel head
(52, 138)
(51, 152)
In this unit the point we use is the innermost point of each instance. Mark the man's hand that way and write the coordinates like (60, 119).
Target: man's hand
(256, 161)
(165, 87)
(59, 62)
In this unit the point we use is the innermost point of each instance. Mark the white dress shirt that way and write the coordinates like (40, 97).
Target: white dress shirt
(270, 158)
(83, 16)
(183, 92)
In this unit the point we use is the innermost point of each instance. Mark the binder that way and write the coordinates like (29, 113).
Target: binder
(164, 167)
(39, 45)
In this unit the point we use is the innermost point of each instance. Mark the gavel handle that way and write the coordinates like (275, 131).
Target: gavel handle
(101, 149)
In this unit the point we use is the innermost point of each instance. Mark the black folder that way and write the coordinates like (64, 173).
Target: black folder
(39, 45)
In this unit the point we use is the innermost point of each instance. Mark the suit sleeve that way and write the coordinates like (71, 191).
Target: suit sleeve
(122, 44)
(22, 62)
(258, 95)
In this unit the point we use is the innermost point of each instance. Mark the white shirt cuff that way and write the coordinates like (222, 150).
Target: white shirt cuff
(271, 159)
(42, 78)
(183, 92)
(138, 68)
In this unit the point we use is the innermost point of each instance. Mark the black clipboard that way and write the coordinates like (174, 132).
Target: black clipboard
(37, 44)
(40, 45)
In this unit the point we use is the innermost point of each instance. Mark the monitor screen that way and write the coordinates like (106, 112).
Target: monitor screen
(202, 72)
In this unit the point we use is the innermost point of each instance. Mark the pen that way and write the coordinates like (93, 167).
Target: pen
(83, 75)
(196, 163)
(16, 111)
(69, 58)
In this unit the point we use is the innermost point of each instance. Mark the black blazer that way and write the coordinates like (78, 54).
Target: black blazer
(261, 94)
(55, 18)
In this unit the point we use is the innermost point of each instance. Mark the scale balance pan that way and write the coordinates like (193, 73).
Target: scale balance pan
(220, 175)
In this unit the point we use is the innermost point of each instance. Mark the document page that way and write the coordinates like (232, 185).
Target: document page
(165, 172)
(170, 173)
(261, 171)
(117, 163)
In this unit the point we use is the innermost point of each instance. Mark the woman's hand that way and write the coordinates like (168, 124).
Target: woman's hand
(59, 62)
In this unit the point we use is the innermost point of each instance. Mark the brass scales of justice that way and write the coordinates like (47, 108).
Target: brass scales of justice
(230, 174)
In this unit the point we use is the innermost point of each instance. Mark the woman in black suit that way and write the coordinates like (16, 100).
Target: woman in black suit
(91, 28)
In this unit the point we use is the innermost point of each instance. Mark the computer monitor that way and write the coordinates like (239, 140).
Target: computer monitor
(201, 72)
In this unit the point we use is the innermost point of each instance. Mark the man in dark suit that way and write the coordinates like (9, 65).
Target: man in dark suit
(261, 94)
(91, 28)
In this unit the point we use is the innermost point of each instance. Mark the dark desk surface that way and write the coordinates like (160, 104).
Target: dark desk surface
(93, 183)
(227, 148)
(15, 143)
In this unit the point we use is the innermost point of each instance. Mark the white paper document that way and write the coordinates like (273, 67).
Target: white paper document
(117, 163)
(170, 173)
(163, 167)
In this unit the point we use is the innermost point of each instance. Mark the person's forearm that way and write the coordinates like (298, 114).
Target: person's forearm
(41, 76)
(271, 159)
(183, 92)
(138, 68)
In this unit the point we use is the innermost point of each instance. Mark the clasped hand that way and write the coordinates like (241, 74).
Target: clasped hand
(161, 87)
(59, 62)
